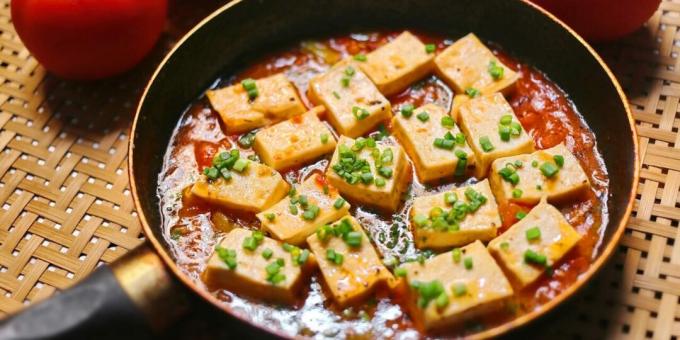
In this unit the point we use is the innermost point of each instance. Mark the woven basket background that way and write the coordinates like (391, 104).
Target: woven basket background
(65, 203)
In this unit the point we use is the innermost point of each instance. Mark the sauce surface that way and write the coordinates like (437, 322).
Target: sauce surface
(193, 227)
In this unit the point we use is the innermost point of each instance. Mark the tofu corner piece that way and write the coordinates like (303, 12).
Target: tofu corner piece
(418, 137)
(569, 182)
(295, 141)
(277, 100)
(354, 104)
(470, 292)
(555, 239)
(249, 276)
(467, 63)
(481, 224)
(397, 64)
(256, 188)
(480, 119)
(386, 196)
(360, 271)
(283, 225)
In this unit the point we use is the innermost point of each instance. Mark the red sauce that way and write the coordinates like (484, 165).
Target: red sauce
(193, 227)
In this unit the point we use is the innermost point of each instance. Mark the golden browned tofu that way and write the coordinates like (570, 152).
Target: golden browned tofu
(313, 203)
(376, 175)
(493, 130)
(295, 141)
(276, 100)
(455, 218)
(350, 265)
(536, 242)
(455, 286)
(354, 104)
(436, 146)
(259, 267)
(254, 189)
(468, 64)
(397, 64)
(553, 172)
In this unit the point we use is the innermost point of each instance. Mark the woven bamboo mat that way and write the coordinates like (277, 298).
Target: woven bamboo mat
(65, 204)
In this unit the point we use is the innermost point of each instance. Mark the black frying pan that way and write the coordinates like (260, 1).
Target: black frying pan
(139, 292)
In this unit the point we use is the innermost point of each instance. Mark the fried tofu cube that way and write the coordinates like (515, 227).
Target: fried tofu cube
(249, 272)
(354, 104)
(468, 64)
(295, 141)
(293, 225)
(395, 65)
(431, 217)
(386, 178)
(482, 120)
(569, 182)
(351, 272)
(537, 241)
(468, 277)
(276, 100)
(257, 188)
(418, 138)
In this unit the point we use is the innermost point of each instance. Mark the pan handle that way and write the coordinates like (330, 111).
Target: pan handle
(133, 298)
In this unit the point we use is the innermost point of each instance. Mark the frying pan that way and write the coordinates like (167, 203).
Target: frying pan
(146, 289)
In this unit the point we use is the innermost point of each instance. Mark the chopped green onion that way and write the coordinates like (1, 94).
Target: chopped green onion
(349, 71)
(534, 164)
(311, 213)
(293, 209)
(420, 220)
(336, 95)
(247, 139)
(506, 119)
(379, 182)
(241, 165)
(249, 243)
(339, 203)
(423, 116)
(485, 143)
(533, 233)
(496, 71)
(345, 81)
(520, 215)
(516, 193)
(324, 138)
(270, 216)
(450, 198)
(353, 239)
(385, 172)
(459, 289)
(456, 253)
(559, 160)
(448, 122)
(442, 300)
(211, 172)
(505, 245)
(267, 253)
(250, 87)
(471, 92)
(360, 57)
(430, 48)
(360, 113)
(228, 256)
(549, 169)
(532, 257)
(504, 132)
(407, 110)
(400, 272)
(468, 263)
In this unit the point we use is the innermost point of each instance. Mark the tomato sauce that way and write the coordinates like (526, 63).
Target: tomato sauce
(192, 227)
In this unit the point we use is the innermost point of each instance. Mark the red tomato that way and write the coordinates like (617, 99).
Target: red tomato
(602, 20)
(89, 39)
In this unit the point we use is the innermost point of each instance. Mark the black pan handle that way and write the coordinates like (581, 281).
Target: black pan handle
(132, 299)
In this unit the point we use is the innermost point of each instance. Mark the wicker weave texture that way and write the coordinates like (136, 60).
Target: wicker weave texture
(65, 203)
